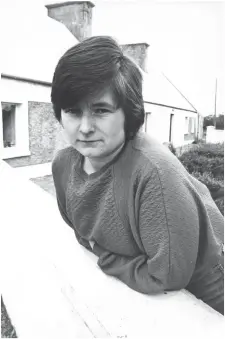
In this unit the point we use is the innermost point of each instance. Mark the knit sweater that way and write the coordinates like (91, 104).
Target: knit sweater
(154, 226)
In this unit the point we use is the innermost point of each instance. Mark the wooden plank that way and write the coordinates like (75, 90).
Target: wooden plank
(53, 288)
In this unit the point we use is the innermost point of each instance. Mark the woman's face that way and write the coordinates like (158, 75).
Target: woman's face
(95, 128)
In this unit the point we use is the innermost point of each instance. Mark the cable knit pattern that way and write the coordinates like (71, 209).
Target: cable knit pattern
(155, 227)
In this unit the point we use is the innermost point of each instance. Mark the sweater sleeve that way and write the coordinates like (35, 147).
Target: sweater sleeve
(167, 229)
(60, 173)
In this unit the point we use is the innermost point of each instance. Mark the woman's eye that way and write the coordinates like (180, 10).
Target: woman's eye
(100, 111)
(75, 112)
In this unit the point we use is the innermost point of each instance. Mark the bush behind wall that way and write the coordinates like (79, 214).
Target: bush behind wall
(206, 163)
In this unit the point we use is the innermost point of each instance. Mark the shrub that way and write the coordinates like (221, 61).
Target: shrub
(195, 162)
(208, 150)
(211, 150)
(171, 148)
(220, 122)
(206, 178)
(210, 121)
(206, 163)
(220, 204)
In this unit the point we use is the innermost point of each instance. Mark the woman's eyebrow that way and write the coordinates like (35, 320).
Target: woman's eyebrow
(71, 108)
(104, 104)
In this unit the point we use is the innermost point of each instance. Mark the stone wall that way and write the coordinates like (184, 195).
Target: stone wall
(45, 136)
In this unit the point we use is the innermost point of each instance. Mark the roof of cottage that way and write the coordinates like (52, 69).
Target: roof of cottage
(158, 89)
(34, 43)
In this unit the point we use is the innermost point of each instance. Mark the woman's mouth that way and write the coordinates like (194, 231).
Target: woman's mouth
(88, 142)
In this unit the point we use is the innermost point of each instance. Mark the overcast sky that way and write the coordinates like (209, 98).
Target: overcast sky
(186, 40)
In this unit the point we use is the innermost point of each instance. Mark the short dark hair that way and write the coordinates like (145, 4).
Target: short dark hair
(90, 66)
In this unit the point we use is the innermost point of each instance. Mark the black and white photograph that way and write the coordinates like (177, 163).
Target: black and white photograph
(112, 169)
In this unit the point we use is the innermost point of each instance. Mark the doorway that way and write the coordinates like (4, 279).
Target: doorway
(171, 127)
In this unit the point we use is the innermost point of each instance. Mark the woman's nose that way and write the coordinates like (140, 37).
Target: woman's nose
(86, 124)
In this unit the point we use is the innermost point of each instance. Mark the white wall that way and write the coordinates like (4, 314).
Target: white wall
(158, 124)
(158, 121)
(179, 127)
(20, 91)
(47, 292)
(213, 135)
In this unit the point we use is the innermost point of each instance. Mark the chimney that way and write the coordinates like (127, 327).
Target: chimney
(75, 15)
(138, 52)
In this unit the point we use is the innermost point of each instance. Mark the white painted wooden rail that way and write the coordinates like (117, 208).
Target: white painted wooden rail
(53, 288)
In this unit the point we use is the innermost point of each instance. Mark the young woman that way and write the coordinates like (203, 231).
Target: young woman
(126, 196)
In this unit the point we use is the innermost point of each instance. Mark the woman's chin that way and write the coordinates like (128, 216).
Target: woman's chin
(89, 152)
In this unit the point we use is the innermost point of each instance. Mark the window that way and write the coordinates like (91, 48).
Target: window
(147, 122)
(14, 130)
(189, 125)
(186, 127)
(8, 124)
(192, 125)
(171, 127)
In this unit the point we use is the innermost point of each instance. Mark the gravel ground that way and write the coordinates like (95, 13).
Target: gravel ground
(46, 183)
(7, 330)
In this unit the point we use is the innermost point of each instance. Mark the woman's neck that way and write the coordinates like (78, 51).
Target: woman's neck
(94, 164)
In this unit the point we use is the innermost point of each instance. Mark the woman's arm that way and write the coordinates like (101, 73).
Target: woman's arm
(60, 173)
(168, 227)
